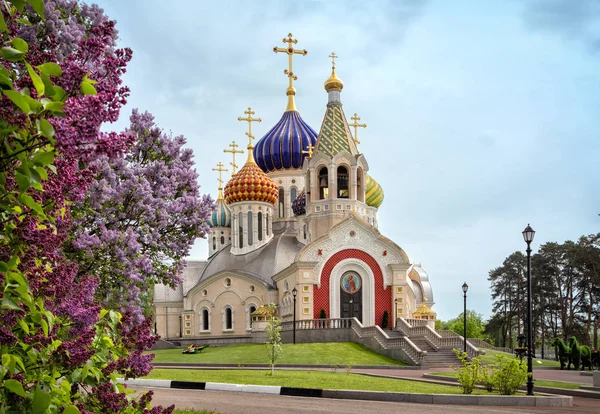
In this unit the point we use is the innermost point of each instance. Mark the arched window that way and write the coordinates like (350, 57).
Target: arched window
(359, 185)
(204, 320)
(323, 184)
(250, 227)
(251, 309)
(267, 224)
(227, 318)
(223, 240)
(214, 243)
(342, 182)
(305, 232)
(292, 198)
(281, 203)
(241, 230)
(260, 226)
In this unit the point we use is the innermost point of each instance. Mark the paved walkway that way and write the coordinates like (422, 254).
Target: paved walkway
(246, 403)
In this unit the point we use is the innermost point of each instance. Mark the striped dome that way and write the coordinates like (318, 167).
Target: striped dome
(281, 148)
(221, 217)
(251, 184)
(374, 193)
(299, 204)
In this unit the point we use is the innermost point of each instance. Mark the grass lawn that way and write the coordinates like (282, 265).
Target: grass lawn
(490, 358)
(542, 383)
(331, 353)
(339, 380)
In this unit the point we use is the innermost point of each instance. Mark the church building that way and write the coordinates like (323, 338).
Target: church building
(297, 223)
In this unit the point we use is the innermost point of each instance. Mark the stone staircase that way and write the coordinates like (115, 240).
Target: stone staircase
(441, 358)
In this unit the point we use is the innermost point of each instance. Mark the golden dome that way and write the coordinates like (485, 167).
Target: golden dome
(251, 184)
(333, 82)
(424, 310)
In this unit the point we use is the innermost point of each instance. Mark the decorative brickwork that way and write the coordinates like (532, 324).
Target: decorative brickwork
(383, 297)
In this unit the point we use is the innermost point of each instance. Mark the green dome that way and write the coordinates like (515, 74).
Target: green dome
(374, 193)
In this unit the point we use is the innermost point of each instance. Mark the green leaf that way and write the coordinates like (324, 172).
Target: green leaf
(19, 44)
(23, 181)
(34, 105)
(50, 68)
(38, 6)
(12, 54)
(2, 23)
(5, 80)
(19, 4)
(87, 88)
(42, 172)
(4, 268)
(54, 106)
(23, 326)
(43, 158)
(41, 401)
(30, 202)
(60, 94)
(8, 303)
(37, 81)
(44, 327)
(18, 100)
(15, 387)
(47, 84)
(45, 128)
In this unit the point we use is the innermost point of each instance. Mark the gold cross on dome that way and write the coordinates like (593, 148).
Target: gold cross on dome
(290, 52)
(356, 125)
(249, 119)
(221, 170)
(309, 150)
(233, 151)
(333, 58)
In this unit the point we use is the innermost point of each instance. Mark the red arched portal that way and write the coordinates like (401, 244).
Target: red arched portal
(383, 297)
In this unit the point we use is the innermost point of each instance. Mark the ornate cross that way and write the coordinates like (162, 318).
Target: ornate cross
(356, 125)
(333, 58)
(290, 51)
(221, 170)
(310, 147)
(249, 119)
(233, 151)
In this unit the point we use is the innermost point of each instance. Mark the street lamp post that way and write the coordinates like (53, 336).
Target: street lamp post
(465, 287)
(396, 316)
(294, 293)
(528, 234)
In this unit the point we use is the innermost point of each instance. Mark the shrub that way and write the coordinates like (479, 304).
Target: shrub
(509, 374)
(469, 374)
(385, 320)
(322, 314)
(487, 378)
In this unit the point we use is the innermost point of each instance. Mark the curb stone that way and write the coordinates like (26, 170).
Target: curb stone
(446, 399)
(583, 391)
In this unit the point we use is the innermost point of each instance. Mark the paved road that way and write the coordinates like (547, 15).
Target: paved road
(246, 403)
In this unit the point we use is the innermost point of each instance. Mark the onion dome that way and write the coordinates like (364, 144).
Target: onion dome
(221, 216)
(374, 193)
(424, 310)
(333, 82)
(299, 204)
(281, 147)
(251, 184)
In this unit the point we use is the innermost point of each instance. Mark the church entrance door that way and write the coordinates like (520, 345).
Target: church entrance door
(351, 296)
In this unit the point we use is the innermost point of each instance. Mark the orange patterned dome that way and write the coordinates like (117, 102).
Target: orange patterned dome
(251, 184)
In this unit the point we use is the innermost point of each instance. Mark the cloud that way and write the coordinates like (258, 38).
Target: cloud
(577, 20)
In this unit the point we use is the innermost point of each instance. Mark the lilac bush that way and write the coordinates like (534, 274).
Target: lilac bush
(141, 216)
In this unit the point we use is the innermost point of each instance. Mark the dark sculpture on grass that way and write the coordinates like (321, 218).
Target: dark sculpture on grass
(580, 354)
(564, 353)
(573, 354)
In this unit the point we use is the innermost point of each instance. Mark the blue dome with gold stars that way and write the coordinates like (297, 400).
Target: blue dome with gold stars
(281, 148)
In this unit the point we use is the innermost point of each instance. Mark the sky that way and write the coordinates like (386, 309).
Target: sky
(483, 116)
